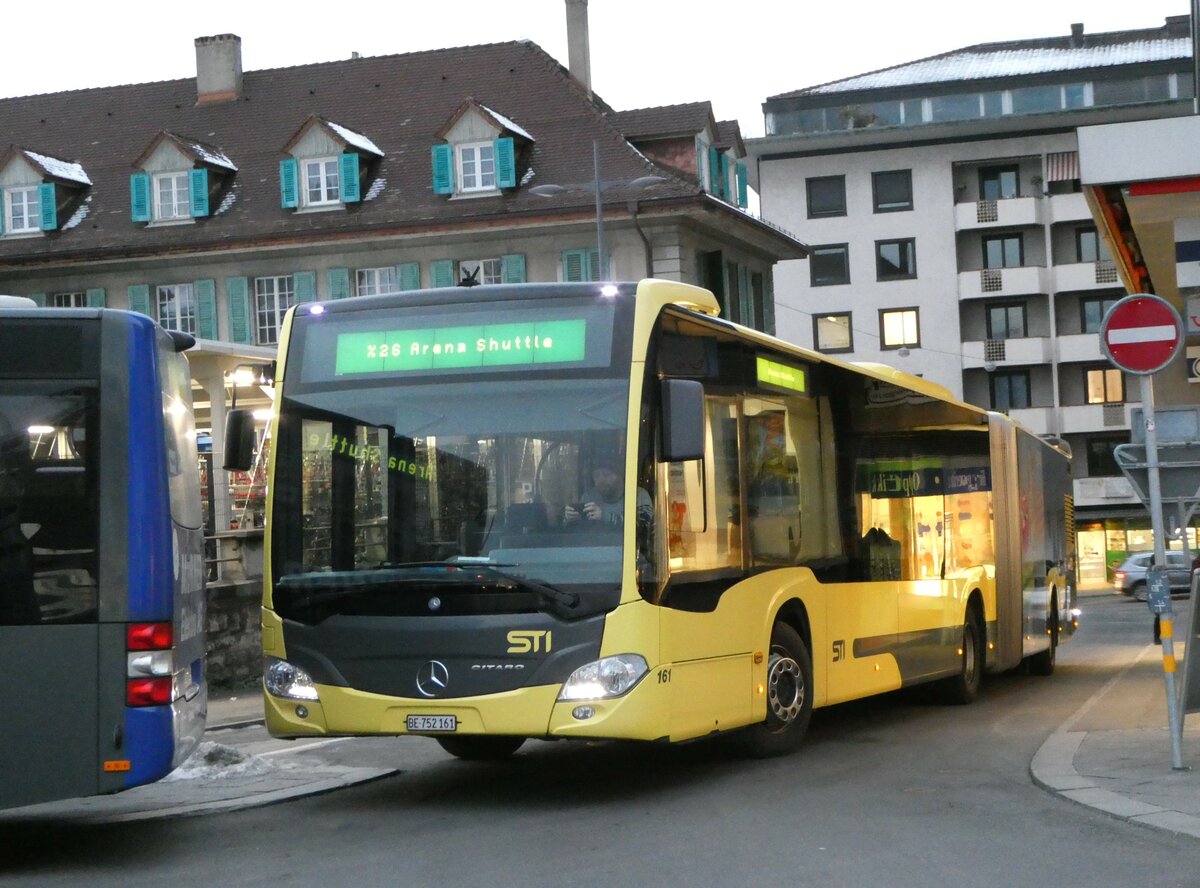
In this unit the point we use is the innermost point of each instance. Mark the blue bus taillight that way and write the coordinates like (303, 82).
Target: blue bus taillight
(150, 664)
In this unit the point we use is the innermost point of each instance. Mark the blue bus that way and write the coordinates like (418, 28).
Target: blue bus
(102, 600)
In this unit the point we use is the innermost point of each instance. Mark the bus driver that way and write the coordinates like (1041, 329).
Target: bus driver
(605, 500)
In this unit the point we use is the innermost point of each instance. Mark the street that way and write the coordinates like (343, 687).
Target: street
(895, 791)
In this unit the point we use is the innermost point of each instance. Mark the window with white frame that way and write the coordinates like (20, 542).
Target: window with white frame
(69, 300)
(23, 210)
(321, 181)
(273, 296)
(476, 166)
(172, 197)
(373, 281)
(482, 271)
(177, 307)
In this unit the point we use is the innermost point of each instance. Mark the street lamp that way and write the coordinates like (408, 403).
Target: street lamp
(597, 187)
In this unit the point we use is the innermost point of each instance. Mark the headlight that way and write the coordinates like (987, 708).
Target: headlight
(610, 677)
(282, 679)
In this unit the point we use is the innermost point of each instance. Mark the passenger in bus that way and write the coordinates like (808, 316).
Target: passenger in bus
(604, 501)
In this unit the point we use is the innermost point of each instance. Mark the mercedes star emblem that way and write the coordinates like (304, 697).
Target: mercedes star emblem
(432, 678)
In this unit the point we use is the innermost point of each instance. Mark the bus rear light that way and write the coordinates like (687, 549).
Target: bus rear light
(150, 663)
(148, 691)
(148, 636)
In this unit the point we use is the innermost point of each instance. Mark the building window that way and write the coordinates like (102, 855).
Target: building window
(1006, 321)
(1003, 251)
(892, 191)
(826, 196)
(172, 196)
(1100, 459)
(177, 308)
(1010, 390)
(23, 210)
(829, 265)
(999, 183)
(1036, 99)
(1089, 247)
(321, 182)
(1105, 385)
(273, 296)
(476, 167)
(1094, 309)
(481, 271)
(373, 281)
(832, 333)
(899, 328)
(896, 259)
(68, 300)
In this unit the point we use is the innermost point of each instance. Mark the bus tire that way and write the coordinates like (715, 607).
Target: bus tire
(1042, 663)
(789, 697)
(481, 749)
(963, 688)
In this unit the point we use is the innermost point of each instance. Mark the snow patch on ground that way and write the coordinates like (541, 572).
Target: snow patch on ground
(212, 761)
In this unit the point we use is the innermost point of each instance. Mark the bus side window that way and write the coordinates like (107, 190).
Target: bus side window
(704, 520)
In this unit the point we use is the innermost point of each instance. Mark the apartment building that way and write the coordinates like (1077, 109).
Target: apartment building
(950, 235)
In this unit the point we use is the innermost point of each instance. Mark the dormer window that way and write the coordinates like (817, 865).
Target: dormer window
(36, 187)
(480, 153)
(172, 198)
(326, 166)
(23, 210)
(178, 179)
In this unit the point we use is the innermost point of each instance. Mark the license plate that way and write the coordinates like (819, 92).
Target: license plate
(432, 724)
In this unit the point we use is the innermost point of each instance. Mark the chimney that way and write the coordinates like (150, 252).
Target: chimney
(218, 68)
(1077, 34)
(579, 57)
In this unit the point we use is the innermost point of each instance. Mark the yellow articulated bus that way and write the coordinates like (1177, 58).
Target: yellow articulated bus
(600, 511)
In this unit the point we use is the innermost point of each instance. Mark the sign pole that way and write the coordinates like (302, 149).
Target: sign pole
(1161, 604)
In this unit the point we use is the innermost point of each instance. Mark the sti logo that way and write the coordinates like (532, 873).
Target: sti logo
(526, 641)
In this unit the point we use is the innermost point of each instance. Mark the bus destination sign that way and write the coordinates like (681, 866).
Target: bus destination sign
(452, 348)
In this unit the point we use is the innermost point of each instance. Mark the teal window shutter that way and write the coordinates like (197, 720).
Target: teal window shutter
(742, 184)
(512, 268)
(595, 272)
(288, 187)
(48, 199)
(724, 192)
(441, 273)
(768, 307)
(409, 275)
(96, 297)
(306, 285)
(443, 169)
(2, 200)
(348, 168)
(139, 299)
(577, 265)
(198, 180)
(139, 197)
(206, 308)
(745, 297)
(714, 171)
(506, 163)
(339, 283)
(39, 298)
(237, 300)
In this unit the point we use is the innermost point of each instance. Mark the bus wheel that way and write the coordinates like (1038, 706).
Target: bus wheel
(964, 687)
(789, 696)
(481, 749)
(1042, 663)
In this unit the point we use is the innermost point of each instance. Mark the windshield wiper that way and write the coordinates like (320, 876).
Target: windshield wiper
(548, 593)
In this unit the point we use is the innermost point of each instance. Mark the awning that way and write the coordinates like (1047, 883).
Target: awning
(1062, 166)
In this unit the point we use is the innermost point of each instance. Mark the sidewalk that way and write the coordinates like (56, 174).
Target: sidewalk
(1114, 753)
(218, 777)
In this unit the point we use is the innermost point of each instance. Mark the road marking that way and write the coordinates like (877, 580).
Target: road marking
(307, 746)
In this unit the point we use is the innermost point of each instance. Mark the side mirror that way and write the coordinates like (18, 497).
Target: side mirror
(682, 420)
(239, 440)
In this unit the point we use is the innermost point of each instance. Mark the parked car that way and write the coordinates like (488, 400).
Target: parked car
(1130, 577)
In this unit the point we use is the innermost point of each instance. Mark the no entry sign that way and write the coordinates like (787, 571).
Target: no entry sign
(1141, 334)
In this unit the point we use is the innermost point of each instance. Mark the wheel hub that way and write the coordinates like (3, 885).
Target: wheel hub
(785, 688)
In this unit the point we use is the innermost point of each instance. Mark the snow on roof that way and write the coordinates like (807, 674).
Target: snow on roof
(508, 124)
(978, 63)
(216, 158)
(60, 169)
(356, 140)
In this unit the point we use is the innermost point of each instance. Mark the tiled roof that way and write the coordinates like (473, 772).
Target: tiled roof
(396, 102)
(665, 120)
(729, 135)
(1018, 58)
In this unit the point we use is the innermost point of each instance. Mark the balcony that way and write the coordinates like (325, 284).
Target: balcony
(1104, 491)
(1013, 212)
(1069, 208)
(1007, 352)
(1095, 418)
(1079, 347)
(1100, 275)
(991, 282)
